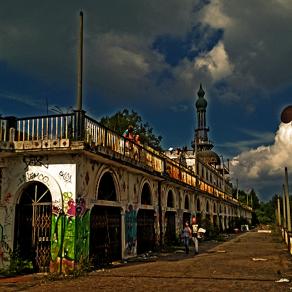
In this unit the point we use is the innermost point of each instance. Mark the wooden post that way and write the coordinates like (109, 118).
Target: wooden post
(284, 209)
(279, 210)
(287, 201)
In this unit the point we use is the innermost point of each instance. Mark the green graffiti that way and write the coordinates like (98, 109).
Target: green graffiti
(131, 230)
(82, 237)
(70, 235)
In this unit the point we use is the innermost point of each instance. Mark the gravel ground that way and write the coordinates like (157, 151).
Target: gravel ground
(251, 261)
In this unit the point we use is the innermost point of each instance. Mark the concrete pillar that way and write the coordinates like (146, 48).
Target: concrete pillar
(279, 211)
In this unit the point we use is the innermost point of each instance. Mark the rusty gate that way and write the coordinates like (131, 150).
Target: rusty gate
(145, 231)
(105, 235)
(170, 231)
(33, 226)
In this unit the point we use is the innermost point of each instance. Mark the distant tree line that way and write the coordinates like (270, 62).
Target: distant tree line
(263, 212)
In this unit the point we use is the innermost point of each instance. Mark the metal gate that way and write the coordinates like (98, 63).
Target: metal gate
(105, 235)
(33, 226)
(145, 231)
(170, 231)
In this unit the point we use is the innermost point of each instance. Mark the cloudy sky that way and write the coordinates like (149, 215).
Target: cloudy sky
(151, 56)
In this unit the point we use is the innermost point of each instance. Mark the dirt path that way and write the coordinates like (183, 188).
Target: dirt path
(250, 262)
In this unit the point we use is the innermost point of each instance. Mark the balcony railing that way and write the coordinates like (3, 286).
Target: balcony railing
(54, 131)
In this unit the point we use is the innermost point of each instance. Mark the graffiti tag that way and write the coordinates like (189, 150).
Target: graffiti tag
(29, 176)
(33, 161)
(66, 176)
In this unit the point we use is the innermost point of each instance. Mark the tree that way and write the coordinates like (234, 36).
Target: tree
(120, 121)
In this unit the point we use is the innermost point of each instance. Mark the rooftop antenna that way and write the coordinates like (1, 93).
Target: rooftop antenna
(80, 65)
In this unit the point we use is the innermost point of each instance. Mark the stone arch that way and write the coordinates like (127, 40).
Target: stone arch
(106, 188)
(170, 199)
(146, 194)
(198, 205)
(42, 177)
(207, 207)
(105, 175)
(187, 202)
(146, 191)
(33, 223)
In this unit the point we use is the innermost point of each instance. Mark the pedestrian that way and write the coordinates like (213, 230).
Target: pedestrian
(136, 147)
(195, 228)
(187, 234)
(129, 135)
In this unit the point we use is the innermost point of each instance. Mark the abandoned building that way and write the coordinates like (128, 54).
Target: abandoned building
(72, 192)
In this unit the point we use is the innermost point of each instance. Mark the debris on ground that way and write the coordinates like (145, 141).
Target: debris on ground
(283, 280)
(259, 259)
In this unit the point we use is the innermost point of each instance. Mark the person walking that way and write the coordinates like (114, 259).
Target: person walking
(187, 234)
(195, 228)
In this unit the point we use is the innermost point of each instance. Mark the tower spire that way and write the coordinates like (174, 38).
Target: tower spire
(201, 141)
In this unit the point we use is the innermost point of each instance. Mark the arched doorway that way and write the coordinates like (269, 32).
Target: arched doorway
(33, 219)
(105, 235)
(170, 230)
(145, 223)
(105, 225)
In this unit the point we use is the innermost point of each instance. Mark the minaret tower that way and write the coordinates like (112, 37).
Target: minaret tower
(201, 141)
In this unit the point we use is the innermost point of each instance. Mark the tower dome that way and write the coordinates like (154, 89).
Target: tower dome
(201, 103)
(209, 157)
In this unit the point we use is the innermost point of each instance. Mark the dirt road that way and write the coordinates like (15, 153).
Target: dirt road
(252, 261)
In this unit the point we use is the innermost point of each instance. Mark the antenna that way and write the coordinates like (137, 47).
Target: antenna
(80, 65)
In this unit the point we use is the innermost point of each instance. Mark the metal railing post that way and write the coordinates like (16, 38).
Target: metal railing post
(79, 125)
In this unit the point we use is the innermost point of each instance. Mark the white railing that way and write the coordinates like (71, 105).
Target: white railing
(45, 128)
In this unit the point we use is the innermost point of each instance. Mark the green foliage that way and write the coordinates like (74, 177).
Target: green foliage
(266, 212)
(17, 265)
(212, 230)
(120, 121)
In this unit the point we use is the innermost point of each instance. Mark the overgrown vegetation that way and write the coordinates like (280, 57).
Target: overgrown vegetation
(17, 265)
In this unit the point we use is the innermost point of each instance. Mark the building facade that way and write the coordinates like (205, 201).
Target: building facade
(72, 193)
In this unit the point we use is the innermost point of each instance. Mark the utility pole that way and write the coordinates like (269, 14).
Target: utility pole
(79, 112)
(80, 64)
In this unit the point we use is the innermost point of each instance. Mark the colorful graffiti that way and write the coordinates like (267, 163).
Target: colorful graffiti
(70, 234)
(131, 230)
(82, 232)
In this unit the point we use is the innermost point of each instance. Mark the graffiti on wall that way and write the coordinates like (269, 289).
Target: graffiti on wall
(70, 234)
(30, 176)
(34, 161)
(131, 230)
(82, 231)
(66, 176)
